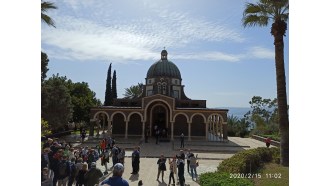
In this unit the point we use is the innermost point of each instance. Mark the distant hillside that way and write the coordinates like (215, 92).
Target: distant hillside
(236, 111)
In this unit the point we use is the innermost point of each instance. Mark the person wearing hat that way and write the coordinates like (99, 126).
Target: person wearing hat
(116, 179)
(93, 175)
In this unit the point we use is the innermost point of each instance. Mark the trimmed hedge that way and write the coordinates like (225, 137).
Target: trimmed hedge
(222, 179)
(249, 161)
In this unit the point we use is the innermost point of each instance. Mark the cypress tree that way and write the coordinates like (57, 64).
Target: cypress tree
(108, 92)
(114, 85)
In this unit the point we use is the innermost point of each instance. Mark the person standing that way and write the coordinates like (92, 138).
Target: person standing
(268, 140)
(180, 165)
(81, 175)
(121, 156)
(93, 175)
(188, 156)
(135, 161)
(172, 170)
(146, 135)
(182, 140)
(193, 166)
(157, 135)
(116, 179)
(161, 167)
(83, 135)
(105, 160)
(114, 154)
(63, 171)
(47, 177)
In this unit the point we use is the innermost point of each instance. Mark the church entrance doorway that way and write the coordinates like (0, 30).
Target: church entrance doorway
(159, 118)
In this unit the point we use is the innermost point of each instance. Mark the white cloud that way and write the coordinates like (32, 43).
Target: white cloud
(209, 56)
(138, 39)
(262, 53)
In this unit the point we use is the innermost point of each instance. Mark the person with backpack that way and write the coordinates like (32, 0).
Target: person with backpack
(63, 171)
(161, 167)
(93, 175)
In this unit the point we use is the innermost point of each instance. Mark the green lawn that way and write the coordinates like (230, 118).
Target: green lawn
(281, 172)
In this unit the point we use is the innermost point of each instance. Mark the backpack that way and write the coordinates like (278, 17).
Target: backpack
(62, 169)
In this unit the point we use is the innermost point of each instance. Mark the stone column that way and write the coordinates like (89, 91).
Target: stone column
(126, 128)
(189, 131)
(172, 129)
(109, 128)
(143, 129)
(206, 130)
(103, 125)
(225, 136)
(216, 129)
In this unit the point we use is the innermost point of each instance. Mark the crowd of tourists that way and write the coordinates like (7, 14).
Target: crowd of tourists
(61, 164)
(176, 167)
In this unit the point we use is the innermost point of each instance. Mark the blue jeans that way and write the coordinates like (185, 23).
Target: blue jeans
(192, 170)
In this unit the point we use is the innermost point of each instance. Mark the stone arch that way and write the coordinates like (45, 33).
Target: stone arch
(160, 100)
(103, 112)
(216, 114)
(181, 114)
(180, 124)
(198, 126)
(191, 118)
(135, 124)
(111, 118)
(130, 114)
(118, 119)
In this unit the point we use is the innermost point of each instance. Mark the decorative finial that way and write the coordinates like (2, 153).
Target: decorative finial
(164, 48)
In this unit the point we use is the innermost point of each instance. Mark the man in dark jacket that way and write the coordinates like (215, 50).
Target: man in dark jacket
(135, 161)
(93, 175)
(180, 164)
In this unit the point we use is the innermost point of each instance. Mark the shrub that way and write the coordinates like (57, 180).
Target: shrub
(222, 179)
(248, 161)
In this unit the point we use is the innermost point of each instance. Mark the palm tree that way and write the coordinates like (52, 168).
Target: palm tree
(260, 14)
(45, 6)
(133, 91)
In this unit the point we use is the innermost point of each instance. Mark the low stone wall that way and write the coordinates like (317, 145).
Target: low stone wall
(260, 138)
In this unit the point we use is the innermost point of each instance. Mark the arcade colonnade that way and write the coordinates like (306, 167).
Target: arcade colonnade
(197, 123)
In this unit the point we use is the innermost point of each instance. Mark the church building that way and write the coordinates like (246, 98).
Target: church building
(164, 103)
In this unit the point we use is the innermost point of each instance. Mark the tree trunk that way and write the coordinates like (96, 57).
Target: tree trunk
(278, 31)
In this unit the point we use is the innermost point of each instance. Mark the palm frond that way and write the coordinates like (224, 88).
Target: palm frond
(46, 19)
(46, 6)
(254, 20)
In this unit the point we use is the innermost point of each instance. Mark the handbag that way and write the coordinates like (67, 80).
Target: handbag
(197, 164)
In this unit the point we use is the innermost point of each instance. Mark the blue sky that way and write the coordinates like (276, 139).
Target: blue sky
(219, 59)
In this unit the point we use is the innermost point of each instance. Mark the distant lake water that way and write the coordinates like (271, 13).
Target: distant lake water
(236, 111)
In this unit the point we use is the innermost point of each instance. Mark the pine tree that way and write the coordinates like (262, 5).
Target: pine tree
(114, 85)
(108, 92)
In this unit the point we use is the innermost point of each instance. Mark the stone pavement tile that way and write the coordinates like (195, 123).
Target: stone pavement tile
(149, 169)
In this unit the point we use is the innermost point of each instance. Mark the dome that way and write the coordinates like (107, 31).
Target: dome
(164, 68)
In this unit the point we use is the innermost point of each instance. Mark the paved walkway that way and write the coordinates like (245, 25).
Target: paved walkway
(210, 154)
